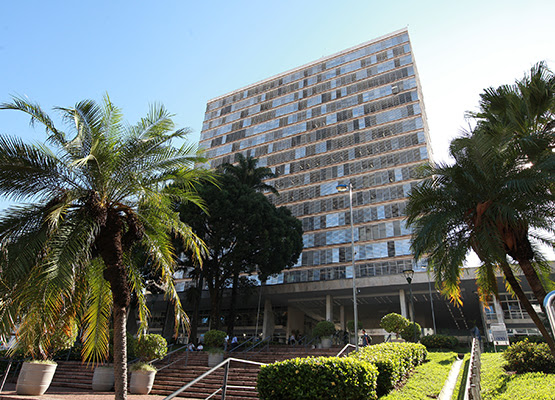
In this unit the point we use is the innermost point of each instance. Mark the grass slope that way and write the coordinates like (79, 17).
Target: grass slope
(496, 384)
(427, 380)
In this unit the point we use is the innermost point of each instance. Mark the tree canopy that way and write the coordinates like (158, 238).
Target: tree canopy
(244, 234)
(87, 198)
(497, 197)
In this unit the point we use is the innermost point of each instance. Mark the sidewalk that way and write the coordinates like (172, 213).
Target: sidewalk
(54, 393)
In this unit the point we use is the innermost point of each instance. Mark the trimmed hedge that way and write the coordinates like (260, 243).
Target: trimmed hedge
(529, 357)
(439, 341)
(318, 378)
(393, 360)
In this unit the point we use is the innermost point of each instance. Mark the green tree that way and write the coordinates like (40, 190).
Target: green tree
(244, 233)
(517, 124)
(486, 202)
(497, 198)
(94, 195)
(249, 173)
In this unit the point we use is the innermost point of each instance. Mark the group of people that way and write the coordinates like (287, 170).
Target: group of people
(234, 342)
(191, 347)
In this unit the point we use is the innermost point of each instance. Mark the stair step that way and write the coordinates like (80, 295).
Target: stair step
(180, 368)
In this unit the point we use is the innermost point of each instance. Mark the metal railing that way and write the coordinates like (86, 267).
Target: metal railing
(6, 373)
(236, 349)
(472, 386)
(344, 349)
(263, 344)
(225, 386)
(167, 356)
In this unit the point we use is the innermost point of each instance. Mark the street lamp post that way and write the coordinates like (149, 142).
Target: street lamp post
(409, 273)
(344, 188)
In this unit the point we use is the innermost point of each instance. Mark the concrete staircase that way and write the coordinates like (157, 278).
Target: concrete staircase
(183, 367)
(73, 374)
(170, 379)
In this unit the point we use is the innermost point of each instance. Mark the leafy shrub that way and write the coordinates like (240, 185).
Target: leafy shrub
(323, 328)
(40, 341)
(411, 331)
(214, 338)
(151, 346)
(529, 357)
(393, 360)
(390, 367)
(439, 341)
(317, 378)
(531, 338)
(394, 323)
(142, 366)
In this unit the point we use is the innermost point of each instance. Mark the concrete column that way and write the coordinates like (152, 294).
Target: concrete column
(342, 318)
(295, 320)
(268, 324)
(403, 301)
(329, 308)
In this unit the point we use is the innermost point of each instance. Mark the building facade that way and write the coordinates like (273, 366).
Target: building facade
(356, 117)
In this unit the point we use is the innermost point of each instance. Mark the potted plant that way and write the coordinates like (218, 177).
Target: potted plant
(214, 341)
(103, 377)
(41, 339)
(148, 348)
(324, 330)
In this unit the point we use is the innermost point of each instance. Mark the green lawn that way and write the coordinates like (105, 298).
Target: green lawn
(496, 384)
(427, 380)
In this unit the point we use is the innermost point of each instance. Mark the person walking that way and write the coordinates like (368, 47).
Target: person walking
(366, 340)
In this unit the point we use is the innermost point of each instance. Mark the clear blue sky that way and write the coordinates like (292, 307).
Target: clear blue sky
(183, 53)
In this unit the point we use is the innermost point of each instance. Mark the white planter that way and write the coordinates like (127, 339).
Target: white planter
(215, 358)
(103, 379)
(326, 342)
(141, 382)
(34, 379)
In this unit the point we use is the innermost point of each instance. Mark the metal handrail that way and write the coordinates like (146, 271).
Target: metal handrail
(6, 374)
(243, 344)
(345, 348)
(186, 356)
(224, 386)
(472, 386)
(265, 340)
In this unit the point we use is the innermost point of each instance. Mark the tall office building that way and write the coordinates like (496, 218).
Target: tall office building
(353, 117)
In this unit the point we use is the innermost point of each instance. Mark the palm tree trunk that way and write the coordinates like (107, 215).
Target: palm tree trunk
(111, 251)
(120, 353)
(517, 289)
(533, 280)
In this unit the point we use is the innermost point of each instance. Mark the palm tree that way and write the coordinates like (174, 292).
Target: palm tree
(486, 202)
(521, 115)
(518, 122)
(248, 173)
(94, 196)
